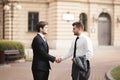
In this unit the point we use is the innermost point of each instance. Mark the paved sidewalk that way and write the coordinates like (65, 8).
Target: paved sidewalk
(103, 60)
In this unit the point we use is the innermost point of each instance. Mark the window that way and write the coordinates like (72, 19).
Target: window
(33, 18)
(83, 19)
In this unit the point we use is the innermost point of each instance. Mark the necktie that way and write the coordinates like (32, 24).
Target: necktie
(75, 46)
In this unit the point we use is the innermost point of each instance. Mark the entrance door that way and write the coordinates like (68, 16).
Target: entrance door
(104, 29)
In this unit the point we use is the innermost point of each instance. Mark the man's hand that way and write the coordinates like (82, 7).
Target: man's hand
(58, 60)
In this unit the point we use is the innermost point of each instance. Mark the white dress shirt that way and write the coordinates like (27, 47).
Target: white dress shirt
(83, 47)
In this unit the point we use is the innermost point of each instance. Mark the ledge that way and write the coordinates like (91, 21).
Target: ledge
(108, 75)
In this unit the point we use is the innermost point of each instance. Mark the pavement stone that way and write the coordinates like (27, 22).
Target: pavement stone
(102, 61)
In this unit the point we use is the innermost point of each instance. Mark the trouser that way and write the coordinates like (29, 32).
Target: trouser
(80, 75)
(40, 75)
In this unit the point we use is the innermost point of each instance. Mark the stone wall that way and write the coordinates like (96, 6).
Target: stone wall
(1, 22)
(60, 33)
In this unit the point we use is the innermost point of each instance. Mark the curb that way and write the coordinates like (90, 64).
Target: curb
(20, 60)
(108, 75)
(4, 65)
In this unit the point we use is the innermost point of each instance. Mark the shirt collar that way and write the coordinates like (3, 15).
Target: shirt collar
(41, 35)
(81, 35)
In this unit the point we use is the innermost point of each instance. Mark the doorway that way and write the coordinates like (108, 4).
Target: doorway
(104, 29)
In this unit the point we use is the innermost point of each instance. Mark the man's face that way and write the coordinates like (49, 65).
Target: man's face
(44, 30)
(76, 30)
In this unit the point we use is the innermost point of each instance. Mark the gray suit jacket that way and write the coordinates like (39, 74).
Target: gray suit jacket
(80, 69)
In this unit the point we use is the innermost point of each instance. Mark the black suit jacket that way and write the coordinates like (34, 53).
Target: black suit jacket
(41, 57)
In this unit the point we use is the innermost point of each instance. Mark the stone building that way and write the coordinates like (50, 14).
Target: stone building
(101, 19)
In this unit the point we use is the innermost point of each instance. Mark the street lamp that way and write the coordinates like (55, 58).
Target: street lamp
(10, 6)
(3, 14)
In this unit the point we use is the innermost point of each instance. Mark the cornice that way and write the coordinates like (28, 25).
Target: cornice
(34, 2)
(88, 2)
(113, 2)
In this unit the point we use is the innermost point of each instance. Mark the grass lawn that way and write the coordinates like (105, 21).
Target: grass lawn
(116, 73)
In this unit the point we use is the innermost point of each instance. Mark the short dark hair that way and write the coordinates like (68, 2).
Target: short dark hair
(78, 24)
(41, 24)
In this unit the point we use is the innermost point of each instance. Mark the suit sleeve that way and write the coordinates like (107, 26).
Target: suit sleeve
(40, 49)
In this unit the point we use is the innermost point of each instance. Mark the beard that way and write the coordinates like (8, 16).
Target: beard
(75, 34)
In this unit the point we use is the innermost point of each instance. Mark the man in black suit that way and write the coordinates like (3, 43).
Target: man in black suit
(41, 56)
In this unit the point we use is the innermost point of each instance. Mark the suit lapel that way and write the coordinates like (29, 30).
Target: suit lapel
(44, 43)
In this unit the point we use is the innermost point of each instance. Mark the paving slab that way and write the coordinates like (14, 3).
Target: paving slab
(102, 61)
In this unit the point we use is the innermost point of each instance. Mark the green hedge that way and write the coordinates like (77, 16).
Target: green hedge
(12, 45)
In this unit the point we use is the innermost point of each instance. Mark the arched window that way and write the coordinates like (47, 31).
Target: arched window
(83, 19)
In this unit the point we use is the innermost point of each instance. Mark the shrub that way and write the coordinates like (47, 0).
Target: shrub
(12, 45)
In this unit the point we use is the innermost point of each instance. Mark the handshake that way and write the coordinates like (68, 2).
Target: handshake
(58, 60)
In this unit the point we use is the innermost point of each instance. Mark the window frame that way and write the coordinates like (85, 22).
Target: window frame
(33, 18)
(85, 21)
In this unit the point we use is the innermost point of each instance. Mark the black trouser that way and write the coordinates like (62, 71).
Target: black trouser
(40, 75)
(79, 75)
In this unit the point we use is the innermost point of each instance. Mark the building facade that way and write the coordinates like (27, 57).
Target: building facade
(101, 19)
